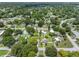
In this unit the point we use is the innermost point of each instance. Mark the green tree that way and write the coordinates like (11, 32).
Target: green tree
(62, 31)
(24, 50)
(64, 25)
(30, 30)
(22, 40)
(27, 49)
(31, 54)
(1, 24)
(16, 21)
(51, 51)
(68, 29)
(41, 23)
(8, 41)
(16, 50)
(18, 32)
(33, 40)
(55, 21)
(75, 54)
(63, 53)
(28, 21)
(8, 32)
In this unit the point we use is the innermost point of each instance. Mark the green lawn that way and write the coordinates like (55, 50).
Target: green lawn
(50, 44)
(3, 52)
(41, 54)
(41, 46)
(65, 44)
(1, 45)
(49, 39)
(19, 26)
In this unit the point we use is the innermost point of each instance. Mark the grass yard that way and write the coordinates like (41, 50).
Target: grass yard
(50, 44)
(1, 45)
(41, 54)
(64, 44)
(19, 26)
(49, 39)
(41, 46)
(3, 52)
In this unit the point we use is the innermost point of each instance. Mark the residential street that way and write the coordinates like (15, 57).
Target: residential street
(4, 48)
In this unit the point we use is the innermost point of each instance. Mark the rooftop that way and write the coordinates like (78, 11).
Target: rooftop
(1, 32)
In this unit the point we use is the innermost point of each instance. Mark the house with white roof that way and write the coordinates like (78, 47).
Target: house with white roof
(76, 34)
(51, 30)
(1, 32)
(57, 39)
(44, 40)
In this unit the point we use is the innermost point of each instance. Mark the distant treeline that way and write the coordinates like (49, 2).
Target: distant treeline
(36, 4)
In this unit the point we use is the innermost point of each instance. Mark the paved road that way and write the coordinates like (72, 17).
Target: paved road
(13, 28)
(7, 53)
(63, 21)
(75, 32)
(67, 49)
(4, 48)
(73, 43)
(40, 49)
(75, 46)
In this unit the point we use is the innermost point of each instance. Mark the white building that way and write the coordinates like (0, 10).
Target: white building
(1, 32)
(44, 40)
(51, 30)
(57, 39)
